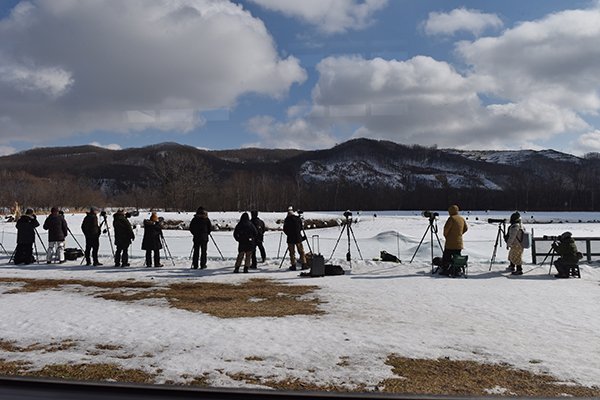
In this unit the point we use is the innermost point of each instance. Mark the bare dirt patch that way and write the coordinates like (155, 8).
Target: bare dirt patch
(454, 377)
(218, 299)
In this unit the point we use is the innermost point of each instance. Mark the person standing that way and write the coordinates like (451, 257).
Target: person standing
(91, 231)
(25, 238)
(454, 228)
(260, 228)
(123, 237)
(245, 234)
(57, 228)
(152, 241)
(292, 227)
(514, 237)
(200, 227)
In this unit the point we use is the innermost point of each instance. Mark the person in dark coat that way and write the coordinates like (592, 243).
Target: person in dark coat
(123, 237)
(57, 228)
(245, 234)
(26, 238)
(260, 228)
(200, 227)
(91, 231)
(152, 241)
(292, 227)
(568, 254)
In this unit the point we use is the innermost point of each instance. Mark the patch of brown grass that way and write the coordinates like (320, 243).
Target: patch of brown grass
(93, 372)
(48, 348)
(293, 384)
(344, 361)
(254, 298)
(12, 368)
(254, 358)
(454, 377)
(108, 347)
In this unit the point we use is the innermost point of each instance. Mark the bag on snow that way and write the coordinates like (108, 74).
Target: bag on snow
(331, 270)
(71, 254)
(385, 256)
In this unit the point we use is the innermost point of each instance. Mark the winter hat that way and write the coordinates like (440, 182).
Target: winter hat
(453, 209)
(54, 210)
(93, 210)
(254, 213)
(29, 211)
(200, 210)
(153, 217)
(515, 217)
(565, 235)
(245, 217)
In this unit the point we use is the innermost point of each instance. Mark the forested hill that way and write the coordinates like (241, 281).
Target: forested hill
(359, 174)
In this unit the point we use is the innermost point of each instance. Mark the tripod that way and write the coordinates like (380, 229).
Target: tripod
(433, 230)
(551, 253)
(104, 224)
(214, 242)
(501, 233)
(166, 249)
(348, 228)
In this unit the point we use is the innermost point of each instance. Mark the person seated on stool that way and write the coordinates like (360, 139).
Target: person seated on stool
(454, 228)
(567, 252)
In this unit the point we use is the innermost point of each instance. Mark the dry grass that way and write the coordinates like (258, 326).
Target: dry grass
(254, 298)
(294, 384)
(47, 348)
(107, 346)
(13, 368)
(453, 377)
(254, 358)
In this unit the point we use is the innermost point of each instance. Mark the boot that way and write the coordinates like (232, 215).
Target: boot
(245, 270)
(236, 270)
(518, 271)
(511, 268)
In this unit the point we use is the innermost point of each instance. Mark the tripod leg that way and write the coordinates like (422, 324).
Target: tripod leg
(283, 259)
(495, 250)
(356, 243)
(215, 243)
(421, 242)
(279, 247)
(337, 242)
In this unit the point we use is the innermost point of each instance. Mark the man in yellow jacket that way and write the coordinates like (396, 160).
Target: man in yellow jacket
(454, 229)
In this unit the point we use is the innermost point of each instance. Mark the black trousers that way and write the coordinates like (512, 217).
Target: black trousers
(156, 257)
(263, 253)
(24, 254)
(447, 256)
(122, 256)
(200, 248)
(92, 243)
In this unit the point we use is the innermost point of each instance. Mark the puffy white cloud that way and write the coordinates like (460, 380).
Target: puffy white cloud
(588, 142)
(461, 19)
(294, 134)
(329, 16)
(112, 146)
(69, 66)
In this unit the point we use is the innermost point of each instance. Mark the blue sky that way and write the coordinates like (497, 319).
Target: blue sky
(305, 74)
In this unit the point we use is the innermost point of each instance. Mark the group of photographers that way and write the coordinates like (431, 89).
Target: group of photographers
(249, 233)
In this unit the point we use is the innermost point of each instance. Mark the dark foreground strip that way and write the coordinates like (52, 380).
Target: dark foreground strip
(20, 388)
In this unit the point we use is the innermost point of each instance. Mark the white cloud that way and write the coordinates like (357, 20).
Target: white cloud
(294, 134)
(586, 143)
(461, 19)
(329, 16)
(112, 146)
(70, 66)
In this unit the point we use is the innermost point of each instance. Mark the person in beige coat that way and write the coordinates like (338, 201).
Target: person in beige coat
(513, 242)
(454, 228)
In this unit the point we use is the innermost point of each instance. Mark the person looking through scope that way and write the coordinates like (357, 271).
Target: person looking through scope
(566, 249)
(57, 228)
(91, 231)
(292, 227)
(123, 237)
(26, 225)
(152, 240)
(454, 228)
(513, 243)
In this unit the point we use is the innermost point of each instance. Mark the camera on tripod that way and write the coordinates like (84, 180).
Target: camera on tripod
(348, 214)
(103, 213)
(130, 214)
(496, 221)
(430, 215)
(554, 238)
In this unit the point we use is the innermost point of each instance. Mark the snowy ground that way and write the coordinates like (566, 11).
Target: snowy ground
(533, 322)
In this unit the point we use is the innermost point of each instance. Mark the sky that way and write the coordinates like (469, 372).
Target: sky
(224, 74)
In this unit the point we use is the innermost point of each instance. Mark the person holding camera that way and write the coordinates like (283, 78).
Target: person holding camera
(566, 249)
(260, 228)
(123, 237)
(245, 234)
(26, 225)
(292, 227)
(152, 241)
(454, 228)
(57, 228)
(91, 231)
(513, 239)
(200, 227)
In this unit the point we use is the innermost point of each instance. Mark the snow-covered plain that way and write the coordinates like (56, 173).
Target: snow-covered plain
(533, 322)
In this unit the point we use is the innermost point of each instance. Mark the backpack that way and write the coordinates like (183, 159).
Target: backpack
(385, 256)
(525, 239)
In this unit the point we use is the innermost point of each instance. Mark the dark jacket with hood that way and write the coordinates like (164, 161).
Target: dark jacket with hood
(26, 229)
(89, 226)
(123, 230)
(292, 227)
(152, 235)
(260, 226)
(56, 226)
(200, 227)
(245, 234)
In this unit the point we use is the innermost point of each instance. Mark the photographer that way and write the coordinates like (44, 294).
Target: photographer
(513, 243)
(26, 237)
(567, 252)
(123, 237)
(200, 227)
(292, 227)
(454, 228)
(152, 241)
(245, 234)
(91, 230)
(260, 227)
(56, 225)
